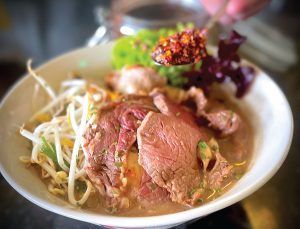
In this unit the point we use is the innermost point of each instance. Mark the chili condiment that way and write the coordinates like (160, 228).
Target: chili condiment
(182, 48)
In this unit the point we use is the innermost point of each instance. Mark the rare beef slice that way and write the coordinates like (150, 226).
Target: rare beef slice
(167, 151)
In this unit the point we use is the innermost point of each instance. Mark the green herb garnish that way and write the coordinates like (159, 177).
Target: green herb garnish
(218, 190)
(104, 152)
(115, 191)
(200, 188)
(118, 164)
(192, 192)
(49, 151)
(112, 209)
(94, 110)
(202, 147)
(200, 200)
(115, 143)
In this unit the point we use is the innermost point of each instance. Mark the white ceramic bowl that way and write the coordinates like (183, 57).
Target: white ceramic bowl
(271, 116)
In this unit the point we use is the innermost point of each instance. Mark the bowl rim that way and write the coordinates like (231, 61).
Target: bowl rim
(152, 221)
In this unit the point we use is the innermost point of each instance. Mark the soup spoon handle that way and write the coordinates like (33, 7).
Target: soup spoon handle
(220, 12)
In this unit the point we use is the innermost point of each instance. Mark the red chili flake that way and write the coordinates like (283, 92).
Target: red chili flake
(182, 48)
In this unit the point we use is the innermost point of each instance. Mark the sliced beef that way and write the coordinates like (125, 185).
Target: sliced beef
(192, 104)
(198, 97)
(177, 95)
(101, 145)
(220, 172)
(108, 142)
(149, 192)
(169, 108)
(167, 151)
(224, 121)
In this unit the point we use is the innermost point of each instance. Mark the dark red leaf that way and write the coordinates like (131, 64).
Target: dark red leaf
(225, 66)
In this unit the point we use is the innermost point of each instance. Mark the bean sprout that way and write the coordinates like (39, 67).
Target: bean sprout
(41, 81)
(75, 152)
(59, 155)
(57, 139)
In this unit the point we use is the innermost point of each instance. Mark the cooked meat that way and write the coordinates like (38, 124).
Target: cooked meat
(225, 121)
(177, 95)
(149, 192)
(150, 150)
(198, 97)
(109, 140)
(169, 108)
(220, 172)
(136, 80)
(101, 142)
(167, 152)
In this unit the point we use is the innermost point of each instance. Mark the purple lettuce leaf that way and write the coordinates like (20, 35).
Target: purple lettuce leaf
(226, 65)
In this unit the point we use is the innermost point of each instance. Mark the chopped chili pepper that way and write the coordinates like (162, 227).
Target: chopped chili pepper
(182, 48)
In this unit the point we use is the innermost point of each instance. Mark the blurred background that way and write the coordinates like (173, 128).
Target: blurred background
(43, 29)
